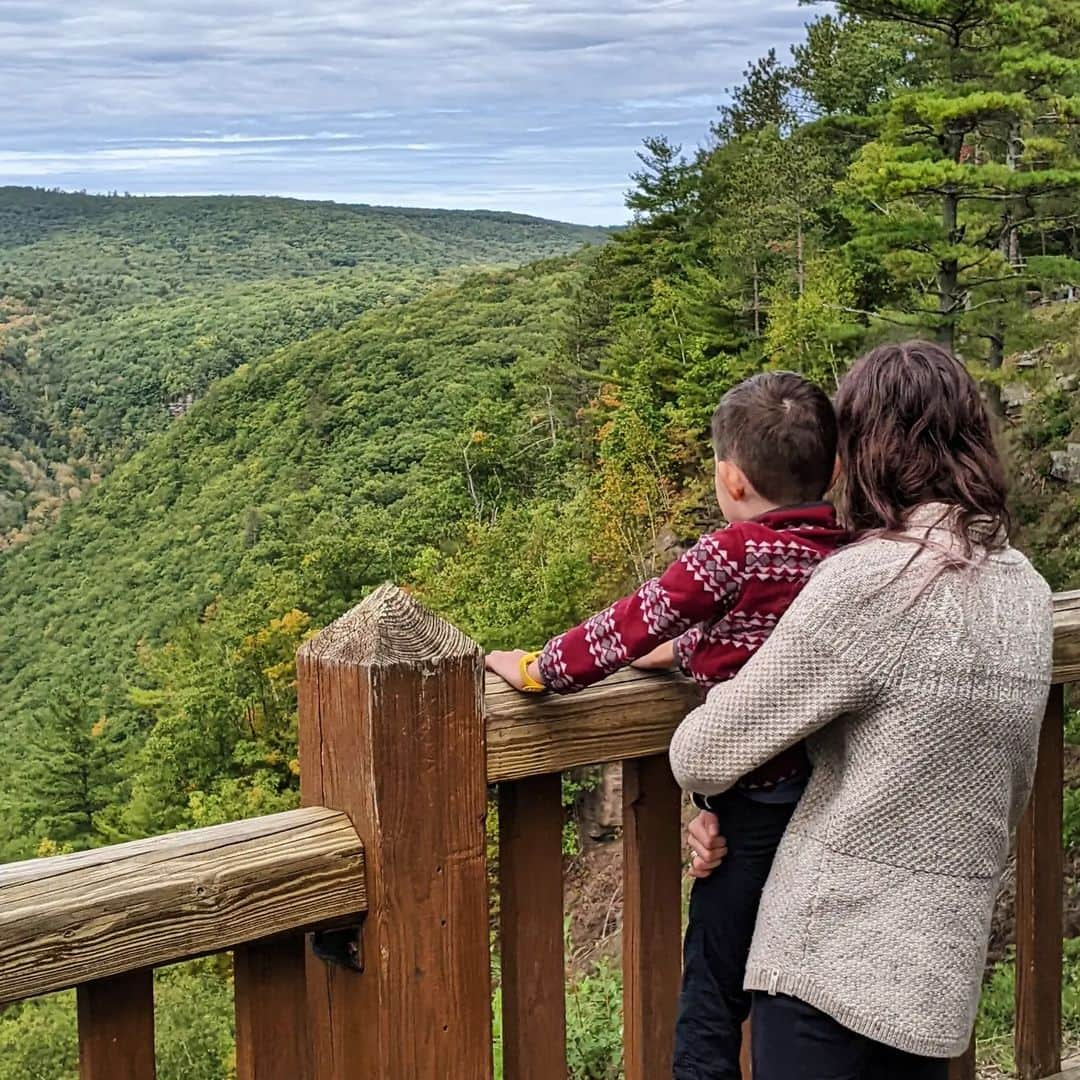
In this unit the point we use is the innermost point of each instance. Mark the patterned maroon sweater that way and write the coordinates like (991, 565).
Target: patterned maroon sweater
(720, 601)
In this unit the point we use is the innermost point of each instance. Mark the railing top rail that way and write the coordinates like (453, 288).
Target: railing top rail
(1067, 637)
(631, 714)
(69, 919)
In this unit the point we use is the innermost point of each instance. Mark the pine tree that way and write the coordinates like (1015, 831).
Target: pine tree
(762, 100)
(662, 189)
(968, 166)
(766, 191)
(65, 785)
(848, 65)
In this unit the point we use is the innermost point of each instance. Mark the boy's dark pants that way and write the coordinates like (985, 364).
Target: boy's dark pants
(723, 909)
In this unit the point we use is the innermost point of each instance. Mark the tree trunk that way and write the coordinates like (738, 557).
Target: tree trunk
(997, 346)
(757, 300)
(1011, 239)
(800, 244)
(948, 278)
(601, 806)
(1010, 252)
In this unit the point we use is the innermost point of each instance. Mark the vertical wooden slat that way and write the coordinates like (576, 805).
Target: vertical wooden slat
(652, 915)
(116, 1027)
(1039, 874)
(963, 1067)
(531, 928)
(392, 732)
(270, 993)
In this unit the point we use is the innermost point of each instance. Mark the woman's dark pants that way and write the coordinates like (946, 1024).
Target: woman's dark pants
(795, 1041)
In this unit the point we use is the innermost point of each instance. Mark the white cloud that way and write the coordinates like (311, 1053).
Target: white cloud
(262, 94)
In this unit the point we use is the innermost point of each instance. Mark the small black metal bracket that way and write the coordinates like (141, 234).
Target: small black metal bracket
(342, 947)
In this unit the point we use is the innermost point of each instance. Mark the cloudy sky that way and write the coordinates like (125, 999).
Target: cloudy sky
(537, 107)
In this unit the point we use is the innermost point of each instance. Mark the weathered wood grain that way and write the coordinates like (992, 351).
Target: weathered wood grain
(1039, 874)
(116, 1027)
(73, 918)
(652, 915)
(531, 928)
(392, 732)
(632, 714)
(1067, 637)
(270, 993)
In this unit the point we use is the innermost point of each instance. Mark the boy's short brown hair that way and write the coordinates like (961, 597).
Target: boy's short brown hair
(780, 429)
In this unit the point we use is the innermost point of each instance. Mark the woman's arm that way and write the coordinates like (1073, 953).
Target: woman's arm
(794, 685)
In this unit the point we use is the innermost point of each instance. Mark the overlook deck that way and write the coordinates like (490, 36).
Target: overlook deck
(397, 733)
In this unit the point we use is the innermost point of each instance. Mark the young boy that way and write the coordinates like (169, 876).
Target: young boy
(775, 441)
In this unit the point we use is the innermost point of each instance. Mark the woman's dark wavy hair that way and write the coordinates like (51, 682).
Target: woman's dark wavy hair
(914, 430)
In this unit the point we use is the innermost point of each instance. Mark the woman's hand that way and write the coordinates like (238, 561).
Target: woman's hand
(507, 665)
(708, 848)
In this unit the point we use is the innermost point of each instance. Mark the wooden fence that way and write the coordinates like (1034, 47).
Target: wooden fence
(386, 867)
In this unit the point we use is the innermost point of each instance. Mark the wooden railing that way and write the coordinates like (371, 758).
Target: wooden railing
(398, 744)
(102, 920)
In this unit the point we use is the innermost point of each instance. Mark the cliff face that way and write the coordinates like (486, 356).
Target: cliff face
(1042, 433)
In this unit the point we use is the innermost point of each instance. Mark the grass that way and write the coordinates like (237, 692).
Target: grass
(593, 1025)
(997, 1013)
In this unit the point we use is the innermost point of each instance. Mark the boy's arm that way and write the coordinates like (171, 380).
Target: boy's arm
(685, 646)
(702, 583)
(673, 655)
(662, 658)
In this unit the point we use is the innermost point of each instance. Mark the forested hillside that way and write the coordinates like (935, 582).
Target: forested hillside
(297, 483)
(116, 313)
(516, 445)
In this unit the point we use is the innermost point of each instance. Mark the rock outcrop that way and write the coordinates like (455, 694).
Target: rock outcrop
(1065, 464)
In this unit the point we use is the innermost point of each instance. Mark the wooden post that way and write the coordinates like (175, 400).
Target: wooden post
(116, 1027)
(652, 915)
(271, 1010)
(392, 732)
(1039, 878)
(531, 928)
(963, 1067)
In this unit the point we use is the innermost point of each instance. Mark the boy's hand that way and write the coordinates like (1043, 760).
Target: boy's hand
(662, 658)
(507, 665)
(708, 848)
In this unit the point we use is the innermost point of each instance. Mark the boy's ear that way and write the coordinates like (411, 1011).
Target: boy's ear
(732, 478)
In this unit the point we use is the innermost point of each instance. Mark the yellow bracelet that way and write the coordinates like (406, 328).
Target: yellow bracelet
(528, 683)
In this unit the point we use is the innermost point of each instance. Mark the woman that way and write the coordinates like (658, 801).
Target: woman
(918, 663)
